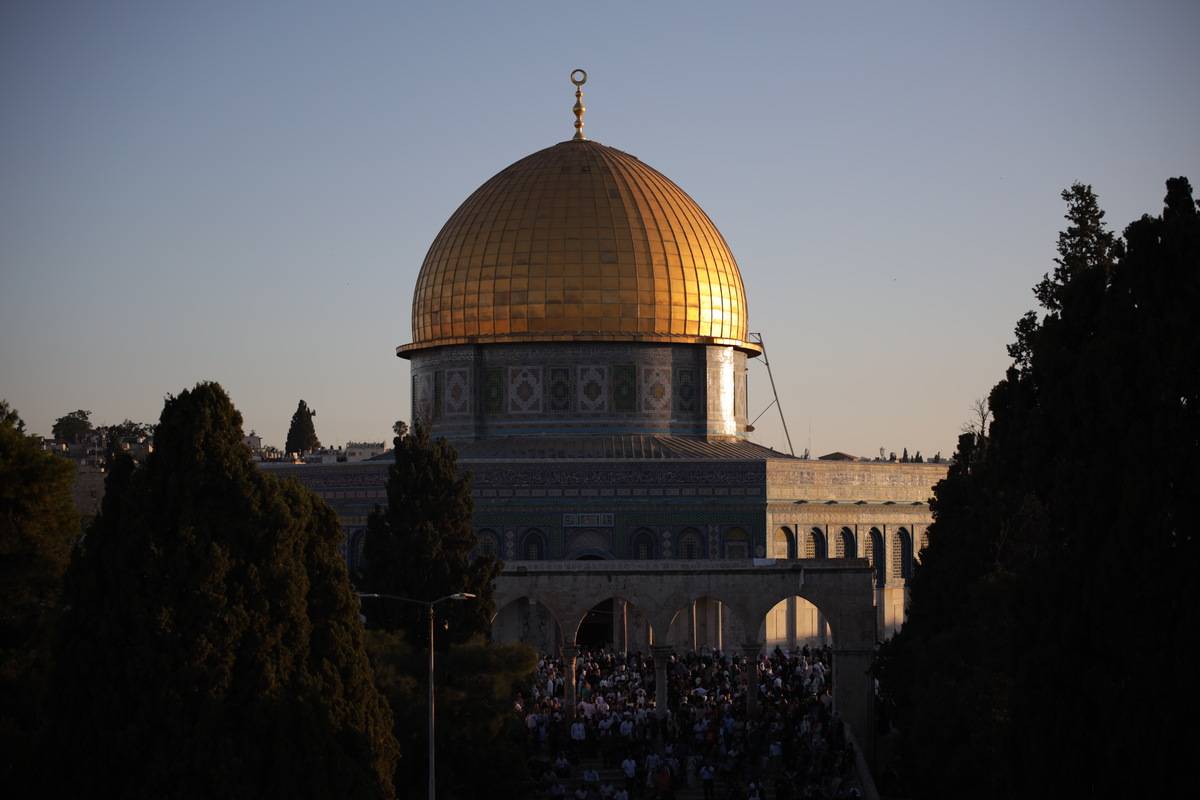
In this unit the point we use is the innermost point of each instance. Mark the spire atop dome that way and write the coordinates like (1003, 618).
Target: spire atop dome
(579, 106)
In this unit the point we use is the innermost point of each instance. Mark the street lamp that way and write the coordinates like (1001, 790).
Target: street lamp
(430, 604)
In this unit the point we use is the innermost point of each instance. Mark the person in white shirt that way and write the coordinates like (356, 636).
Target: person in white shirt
(578, 735)
(629, 768)
(627, 726)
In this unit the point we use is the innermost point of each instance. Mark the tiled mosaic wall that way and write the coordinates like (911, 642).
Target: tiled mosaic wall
(564, 389)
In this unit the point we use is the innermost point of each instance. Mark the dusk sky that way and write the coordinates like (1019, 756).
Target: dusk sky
(244, 192)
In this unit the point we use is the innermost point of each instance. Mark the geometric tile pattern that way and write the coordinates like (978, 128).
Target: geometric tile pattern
(524, 390)
(685, 390)
(656, 389)
(624, 388)
(593, 389)
(458, 392)
(559, 379)
(423, 389)
(493, 390)
(439, 393)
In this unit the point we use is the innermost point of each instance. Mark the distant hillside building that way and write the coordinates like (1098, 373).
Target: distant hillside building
(362, 451)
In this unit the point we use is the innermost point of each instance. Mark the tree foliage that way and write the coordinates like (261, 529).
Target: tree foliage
(211, 646)
(1041, 650)
(38, 526)
(475, 723)
(420, 545)
(302, 434)
(129, 428)
(72, 427)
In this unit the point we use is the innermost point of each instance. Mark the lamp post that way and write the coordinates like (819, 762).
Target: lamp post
(430, 604)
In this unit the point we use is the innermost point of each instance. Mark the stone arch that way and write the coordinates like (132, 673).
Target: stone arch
(794, 621)
(783, 543)
(901, 553)
(737, 543)
(588, 544)
(873, 546)
(845, 544)
(814, 543)
(690, 544)
(533, 545)
(641, 545)
(705, 620)
(528, 619)
(615, 621)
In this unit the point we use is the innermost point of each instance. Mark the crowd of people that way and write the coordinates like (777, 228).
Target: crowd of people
(793, 748)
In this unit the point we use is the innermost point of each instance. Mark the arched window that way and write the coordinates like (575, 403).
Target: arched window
(643, 545)
(875, 556)
(845, 544)
(814, 544)
(901, 545)
(488, 543)
(737, 543)
(783, 543)
(533, 545)
(690, 545)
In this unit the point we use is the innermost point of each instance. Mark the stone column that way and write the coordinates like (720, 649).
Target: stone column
(750, 652)
(569, 653)
(720, 625)
(661, 697)
(620, 626)
(854, 696)
(793, 612)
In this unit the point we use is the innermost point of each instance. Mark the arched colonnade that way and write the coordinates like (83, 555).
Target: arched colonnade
(661, 590)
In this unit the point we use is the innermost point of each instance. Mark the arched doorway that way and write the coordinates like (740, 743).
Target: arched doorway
(902, 555)
(691, 544)
(845, 544)
(814, 544)
(783, 543)
(704, 624)
(642, 545)
(793, 623)
(526, 620)
(875, 556)
(615, 624)
(533, 545)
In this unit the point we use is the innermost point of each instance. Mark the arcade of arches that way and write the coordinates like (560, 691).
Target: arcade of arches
(624, 604)
(793, 622)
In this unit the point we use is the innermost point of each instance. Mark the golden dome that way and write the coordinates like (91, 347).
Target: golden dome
(579, 242)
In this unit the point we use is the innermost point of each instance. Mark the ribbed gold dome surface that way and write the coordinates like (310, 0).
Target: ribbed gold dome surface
(579, 242)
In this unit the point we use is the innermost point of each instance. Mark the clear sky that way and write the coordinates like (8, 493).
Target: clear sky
(245, 191)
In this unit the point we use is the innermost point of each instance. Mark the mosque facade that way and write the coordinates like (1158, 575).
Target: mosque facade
(580, 334)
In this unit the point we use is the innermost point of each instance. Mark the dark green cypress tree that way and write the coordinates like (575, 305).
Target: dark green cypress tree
(1041, 653)
(420, 546)
(302, 434)
(212, 646)
(38, 526)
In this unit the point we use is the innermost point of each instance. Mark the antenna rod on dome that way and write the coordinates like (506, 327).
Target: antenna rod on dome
(579, 106)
